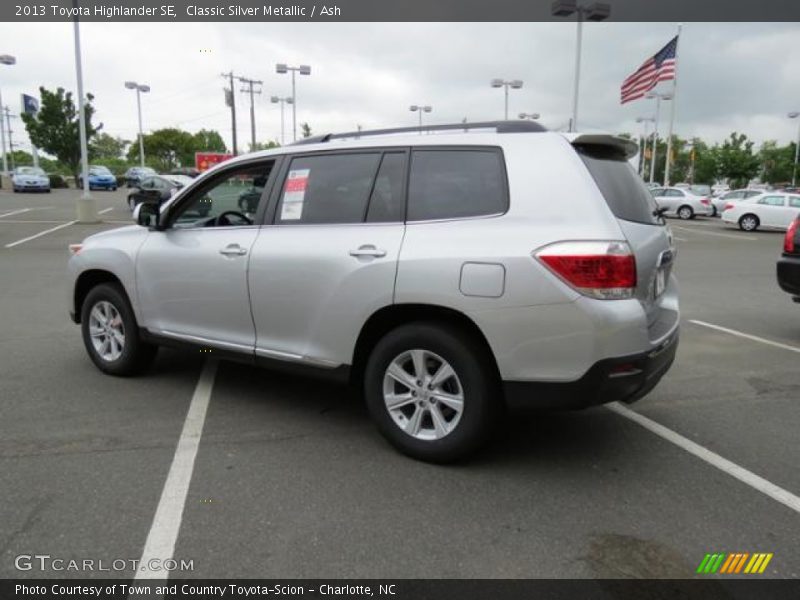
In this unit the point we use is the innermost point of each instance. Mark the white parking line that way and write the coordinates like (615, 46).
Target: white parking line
(40, 234)
(15, 212)
(726, 235)
(680, 239)
(160, 544)
(746, 336)
(105, 210)
(723, 464)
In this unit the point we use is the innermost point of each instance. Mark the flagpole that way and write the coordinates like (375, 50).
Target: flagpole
(672, 110)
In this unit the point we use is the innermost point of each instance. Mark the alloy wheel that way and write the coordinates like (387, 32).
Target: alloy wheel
(423, 394)
(107, 331)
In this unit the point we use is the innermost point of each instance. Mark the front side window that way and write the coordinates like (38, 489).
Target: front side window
(229, 200)
(453, 184)
(326, 189)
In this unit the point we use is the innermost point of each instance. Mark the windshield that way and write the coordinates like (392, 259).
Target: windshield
(701, 190)
(99, 171)
(30, 171)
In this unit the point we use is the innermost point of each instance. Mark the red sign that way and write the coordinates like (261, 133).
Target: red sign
(205, 160)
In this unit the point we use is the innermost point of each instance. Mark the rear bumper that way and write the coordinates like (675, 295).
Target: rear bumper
(625, 378)
(788, 271)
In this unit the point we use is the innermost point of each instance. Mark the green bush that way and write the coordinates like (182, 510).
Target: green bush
(120, 180)
(57, 181)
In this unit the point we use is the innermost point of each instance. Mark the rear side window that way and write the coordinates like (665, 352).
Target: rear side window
(328, 189)
(772, 201)
(452, 184)
(622, 188)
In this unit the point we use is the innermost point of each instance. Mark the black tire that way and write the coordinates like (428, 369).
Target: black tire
(136, 355)
(685, 212)
(114, 189)
(482, 402)
(749, 222)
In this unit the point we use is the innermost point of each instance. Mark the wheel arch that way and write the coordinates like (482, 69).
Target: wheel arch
(88, 280)
(390, 317)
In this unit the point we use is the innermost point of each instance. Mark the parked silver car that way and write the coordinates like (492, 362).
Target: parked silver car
(682, 203)
(451, 275)
(723, 200)
(30, 179)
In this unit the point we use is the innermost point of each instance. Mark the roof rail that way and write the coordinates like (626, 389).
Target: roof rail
(498, 126)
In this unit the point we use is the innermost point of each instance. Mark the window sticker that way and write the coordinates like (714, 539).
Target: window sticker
(294, 194)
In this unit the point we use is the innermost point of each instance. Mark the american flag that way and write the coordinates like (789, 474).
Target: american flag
(660, 67)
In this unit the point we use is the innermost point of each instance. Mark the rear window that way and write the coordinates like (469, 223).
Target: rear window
(453, 184)
(624, 191)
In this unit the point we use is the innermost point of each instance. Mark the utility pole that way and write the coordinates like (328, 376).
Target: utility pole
(9, 116)
(232, 103)
(250, 83)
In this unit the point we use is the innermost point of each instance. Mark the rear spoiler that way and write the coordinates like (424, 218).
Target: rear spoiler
(628, 148)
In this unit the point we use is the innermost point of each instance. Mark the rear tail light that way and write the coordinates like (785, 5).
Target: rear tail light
(728, 206)
(788, 242)
(705, 201)
(75, 249)
(602, 270)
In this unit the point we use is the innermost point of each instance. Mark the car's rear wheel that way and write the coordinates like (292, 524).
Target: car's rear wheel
(111, 334)
(431, 391)
(749, 222)
(685, 212)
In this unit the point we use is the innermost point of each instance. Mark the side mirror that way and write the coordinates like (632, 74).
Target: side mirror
(146, 214)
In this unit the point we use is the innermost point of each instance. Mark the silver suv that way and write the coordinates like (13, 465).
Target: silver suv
(450, 275)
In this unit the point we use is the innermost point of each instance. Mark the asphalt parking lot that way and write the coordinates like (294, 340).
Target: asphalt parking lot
(291, 479)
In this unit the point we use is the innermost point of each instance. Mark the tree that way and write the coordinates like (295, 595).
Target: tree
(305, 130)
(266, 145)
(166, 149)
(55, 128)
(209, 140)
(105, 146)
(736, 160)
(777, 162)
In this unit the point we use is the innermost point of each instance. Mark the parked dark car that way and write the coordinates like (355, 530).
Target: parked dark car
(188, 171)
(789, 262)
(156, 188)
(135, 175)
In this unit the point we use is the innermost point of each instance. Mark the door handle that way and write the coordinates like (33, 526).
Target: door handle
(368, 250)
(233, 250)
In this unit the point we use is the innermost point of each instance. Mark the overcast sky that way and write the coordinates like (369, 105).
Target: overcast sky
(742, 77)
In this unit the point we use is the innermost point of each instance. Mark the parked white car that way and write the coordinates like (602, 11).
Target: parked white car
(684, 204)
(733, 197)
(768, 210)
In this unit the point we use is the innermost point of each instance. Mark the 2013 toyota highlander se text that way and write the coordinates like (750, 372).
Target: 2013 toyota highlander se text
(450, 275)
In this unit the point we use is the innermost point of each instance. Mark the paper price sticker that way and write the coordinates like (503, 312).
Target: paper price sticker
(294, 194)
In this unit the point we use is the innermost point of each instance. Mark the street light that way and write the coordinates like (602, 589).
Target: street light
(795, 115)
(659, 96)
(598, 11)
(501, 83)
(529, 116)
(140, 89)
(282, 101)
(643, 148)
(303, 70)
(5, 59)
(420, 109)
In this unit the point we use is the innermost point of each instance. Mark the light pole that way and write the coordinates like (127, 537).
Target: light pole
(529, 116)
(598, 11)
(140, 89)
(5, 59)
(303, 70)
(420, 109)
(87, 207)
(282, 101)
(795, 115)
(643, 150)
(501, 83)
(659, 97)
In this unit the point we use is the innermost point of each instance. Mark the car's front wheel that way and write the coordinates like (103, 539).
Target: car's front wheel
(432, 392)
(111, 334)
